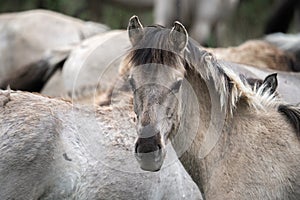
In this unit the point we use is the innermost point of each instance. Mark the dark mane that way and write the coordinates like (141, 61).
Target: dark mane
(205, 64)
(292, 113)
(152, 55)
(194, 56)
(154, 48)
(31, 77)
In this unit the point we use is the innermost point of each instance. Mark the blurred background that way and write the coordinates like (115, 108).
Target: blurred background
(247, 20)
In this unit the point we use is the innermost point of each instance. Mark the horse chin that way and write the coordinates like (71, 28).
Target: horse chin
(151, 161)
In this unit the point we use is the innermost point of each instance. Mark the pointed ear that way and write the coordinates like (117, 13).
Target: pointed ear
(270, 83)
(135, 30)
(179, 36)
(176, 86)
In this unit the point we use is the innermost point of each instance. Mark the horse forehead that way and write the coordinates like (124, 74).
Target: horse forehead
(152, 94)
(162, 75)
(153, 91)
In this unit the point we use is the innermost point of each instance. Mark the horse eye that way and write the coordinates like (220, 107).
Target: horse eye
(169, 114)
(135, 109)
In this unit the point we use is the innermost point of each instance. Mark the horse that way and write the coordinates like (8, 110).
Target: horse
(51, 149)
(147, 4)
(34, 76)
(95, 61)
(28, 39)
(90, 69)
(236, 143)
(203, 16)
(257, 53)
(288, 43)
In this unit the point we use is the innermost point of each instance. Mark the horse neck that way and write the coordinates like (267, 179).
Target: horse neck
(200, 125)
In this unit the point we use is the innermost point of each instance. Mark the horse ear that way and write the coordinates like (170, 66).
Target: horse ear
(270, 83)
(176, 86)
(179, 36)
(135, 30)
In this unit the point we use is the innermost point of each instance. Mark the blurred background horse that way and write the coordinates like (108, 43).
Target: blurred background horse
(202, 17)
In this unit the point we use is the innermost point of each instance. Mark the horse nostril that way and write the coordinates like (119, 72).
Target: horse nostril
(159, 147)
(147, 148)
(136, 148)
(148, 143)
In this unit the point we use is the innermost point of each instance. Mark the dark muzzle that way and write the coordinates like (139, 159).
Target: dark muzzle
(149, 150)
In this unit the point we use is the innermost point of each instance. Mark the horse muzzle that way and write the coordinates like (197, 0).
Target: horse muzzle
(150, 153)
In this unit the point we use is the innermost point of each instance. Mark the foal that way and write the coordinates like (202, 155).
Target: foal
(234, 142)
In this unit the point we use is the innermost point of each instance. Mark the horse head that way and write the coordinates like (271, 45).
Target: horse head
(156, 75)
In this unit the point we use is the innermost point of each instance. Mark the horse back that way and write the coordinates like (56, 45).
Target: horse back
(28, 142)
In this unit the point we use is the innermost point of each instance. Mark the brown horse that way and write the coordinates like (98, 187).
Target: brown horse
(235, 142)
(289, 43)
(257, 53)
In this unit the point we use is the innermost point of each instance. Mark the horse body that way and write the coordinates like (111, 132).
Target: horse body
(91, 69)
(268, 181)
(202, 16)
(94, 61)
(133, 3)
(288, 43)
(53, 150)
(23, 45)
(55, 86)
(232, 140)
(246, 161)
(34, 76)
(250, 53)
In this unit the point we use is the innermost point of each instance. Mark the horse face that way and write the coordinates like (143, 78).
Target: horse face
(156, 108)
(155, 77)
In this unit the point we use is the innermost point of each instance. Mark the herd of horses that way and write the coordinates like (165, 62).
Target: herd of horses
(176, 121)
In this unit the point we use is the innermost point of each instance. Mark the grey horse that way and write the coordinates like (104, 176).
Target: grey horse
(235, 142)
(51, 149)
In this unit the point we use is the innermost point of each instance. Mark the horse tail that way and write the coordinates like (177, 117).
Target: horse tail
(292, 113)
(34, 76)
